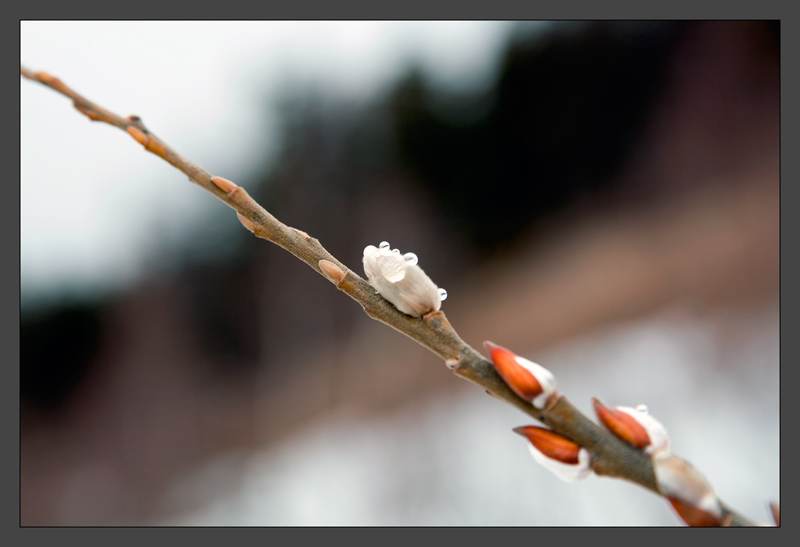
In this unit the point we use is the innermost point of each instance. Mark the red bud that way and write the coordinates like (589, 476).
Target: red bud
(622, 425)
(694, 516)
(550, 443)
(519, 379)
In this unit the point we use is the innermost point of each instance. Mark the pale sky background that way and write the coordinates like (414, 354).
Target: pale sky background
(94, 204)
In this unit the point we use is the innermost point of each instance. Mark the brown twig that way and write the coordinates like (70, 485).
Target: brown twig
(611, 457)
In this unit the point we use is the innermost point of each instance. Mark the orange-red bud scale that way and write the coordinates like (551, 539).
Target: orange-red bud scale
(520, 380)
(622, 425)
(694, 516)
(550, 443)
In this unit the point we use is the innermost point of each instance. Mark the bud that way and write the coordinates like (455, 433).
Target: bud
(246, 222)
(694, 516)
(332, 271)
(529, 380)
(399, 280)
(223, 184)
(134, 132)
(776, 512)
(566, 459)
(689, 493)
(634, 426)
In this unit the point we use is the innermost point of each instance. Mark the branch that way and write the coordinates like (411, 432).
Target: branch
(610, 456)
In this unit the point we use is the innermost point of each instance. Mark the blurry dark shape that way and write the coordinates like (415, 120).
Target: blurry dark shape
(772, 30)
(416, 168)
(223, 322)
(567, 108)
(57, 348)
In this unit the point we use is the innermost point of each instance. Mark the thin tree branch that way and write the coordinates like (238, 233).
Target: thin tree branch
(611, 457)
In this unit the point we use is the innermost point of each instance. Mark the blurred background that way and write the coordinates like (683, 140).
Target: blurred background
(601, 197)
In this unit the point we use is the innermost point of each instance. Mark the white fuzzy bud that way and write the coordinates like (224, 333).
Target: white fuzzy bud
(565, 471)
(659, 438)
(678, 480)
(400, 281)
(546, 380)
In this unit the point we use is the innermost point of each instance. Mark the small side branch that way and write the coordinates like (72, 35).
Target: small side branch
(610, 456)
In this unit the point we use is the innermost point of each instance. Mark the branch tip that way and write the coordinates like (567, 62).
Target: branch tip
(44, 77)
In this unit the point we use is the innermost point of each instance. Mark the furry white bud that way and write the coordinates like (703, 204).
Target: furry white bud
(687, 490)
(564, 471)
(567, 460)
(400, 281)
(659, 438)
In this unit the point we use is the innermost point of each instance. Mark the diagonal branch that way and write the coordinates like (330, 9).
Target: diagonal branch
(610, 456)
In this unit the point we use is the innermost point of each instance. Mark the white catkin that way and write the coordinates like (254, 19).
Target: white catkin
(679, 479)
(400, 281)
(659, 439)
(565, 471)
(545, 378)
